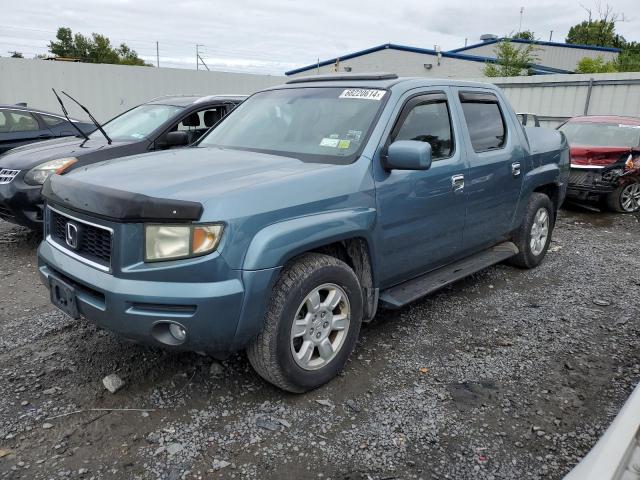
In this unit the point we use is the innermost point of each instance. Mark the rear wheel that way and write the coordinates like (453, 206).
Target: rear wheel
(625, 199)
(534, 235)
(311, 326)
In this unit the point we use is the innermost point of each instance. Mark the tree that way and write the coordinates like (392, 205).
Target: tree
(596, 65)
(512, 60)
(16, 55)
(600, 32)
(94, 49)
(524, 35)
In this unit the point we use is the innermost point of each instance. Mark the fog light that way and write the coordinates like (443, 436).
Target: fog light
(178, 332)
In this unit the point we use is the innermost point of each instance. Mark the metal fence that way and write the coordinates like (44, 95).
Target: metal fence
(555, 98)
(108, 90)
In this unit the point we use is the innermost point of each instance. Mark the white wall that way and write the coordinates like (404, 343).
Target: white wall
(107, 90)
(565, 58)
(405, 64)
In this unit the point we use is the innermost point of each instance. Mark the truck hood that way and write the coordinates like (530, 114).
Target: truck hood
(28, 156)
(196, 174)
(585, 155)
(130, 188)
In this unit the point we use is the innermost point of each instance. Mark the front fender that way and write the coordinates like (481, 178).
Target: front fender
(274, 245)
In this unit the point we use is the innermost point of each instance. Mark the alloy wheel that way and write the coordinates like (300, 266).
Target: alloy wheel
(630, 197)
(320, 326)
(539, 231)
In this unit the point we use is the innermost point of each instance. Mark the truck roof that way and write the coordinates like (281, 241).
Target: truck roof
(374, 80)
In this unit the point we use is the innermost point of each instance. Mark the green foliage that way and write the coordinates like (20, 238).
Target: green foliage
(524, 35)
(629, 58)
(596, 65)
(512, 59)
(601, 33)
(94, 49)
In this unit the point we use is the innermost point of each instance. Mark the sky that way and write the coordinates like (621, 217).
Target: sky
(273, 36)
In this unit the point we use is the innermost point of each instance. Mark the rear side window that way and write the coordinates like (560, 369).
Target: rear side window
(16, 121)
(485, 122)
(51, 121)
(428, 120)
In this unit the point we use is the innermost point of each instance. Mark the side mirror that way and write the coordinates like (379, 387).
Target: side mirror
(176, 139)
(408, 155)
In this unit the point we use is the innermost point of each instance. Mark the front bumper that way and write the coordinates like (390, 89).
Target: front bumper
(217, 316)
(589, 182)
(21, 204)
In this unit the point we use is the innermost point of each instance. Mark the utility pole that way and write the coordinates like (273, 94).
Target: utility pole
(550, 35)
(205, 65)
(521, 14)
(198, 45)
(157, 54)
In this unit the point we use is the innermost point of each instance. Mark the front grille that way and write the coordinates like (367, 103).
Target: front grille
(93, 242)
(7, 175)
(580, 177)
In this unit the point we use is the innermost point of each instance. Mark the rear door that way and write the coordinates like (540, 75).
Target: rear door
(495, 158)
(18, 127)
(421, 212)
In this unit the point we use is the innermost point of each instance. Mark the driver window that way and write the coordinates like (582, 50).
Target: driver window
(197, 123)
(429, 122)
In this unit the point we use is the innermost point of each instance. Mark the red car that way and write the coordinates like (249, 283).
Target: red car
(605, 160)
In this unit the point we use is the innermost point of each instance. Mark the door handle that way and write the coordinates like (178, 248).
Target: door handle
(45, 135)
(515, 169)
(457, 182)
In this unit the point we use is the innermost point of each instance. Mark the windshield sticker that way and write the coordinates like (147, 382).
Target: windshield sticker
(354, 135)
(137, 135)
(342, 144)
(365, 94)
(329, 142)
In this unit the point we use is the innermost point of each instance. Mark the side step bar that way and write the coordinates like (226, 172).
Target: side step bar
(411, 290)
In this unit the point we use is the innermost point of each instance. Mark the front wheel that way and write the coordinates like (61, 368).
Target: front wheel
(534, 235)
(311, 326)
(625, 198)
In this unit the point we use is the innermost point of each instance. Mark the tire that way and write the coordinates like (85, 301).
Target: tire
(625, 198)
(530, 257)
(272, 353)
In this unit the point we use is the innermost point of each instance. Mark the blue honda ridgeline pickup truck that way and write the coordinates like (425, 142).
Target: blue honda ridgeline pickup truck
(312, 203)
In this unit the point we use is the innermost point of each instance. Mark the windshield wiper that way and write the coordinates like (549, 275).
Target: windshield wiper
(66, 115)
(95, 122)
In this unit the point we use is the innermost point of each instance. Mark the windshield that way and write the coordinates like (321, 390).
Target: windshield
(602, 134)
(313, 124)
(138, 122)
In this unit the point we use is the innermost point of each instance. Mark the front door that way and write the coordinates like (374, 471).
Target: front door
(421, 213)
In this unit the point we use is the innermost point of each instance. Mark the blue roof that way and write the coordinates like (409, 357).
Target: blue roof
(425, 51)
(537, 42)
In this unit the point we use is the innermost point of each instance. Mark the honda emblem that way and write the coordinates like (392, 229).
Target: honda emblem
(72, 235)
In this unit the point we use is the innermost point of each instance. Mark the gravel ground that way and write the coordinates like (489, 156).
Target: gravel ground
(507, 374)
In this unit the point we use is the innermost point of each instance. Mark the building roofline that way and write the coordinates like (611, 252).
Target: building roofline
(424, 51)
(538, 42)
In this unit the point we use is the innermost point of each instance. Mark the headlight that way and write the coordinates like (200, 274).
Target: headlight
(171, 242)
(37, 175)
